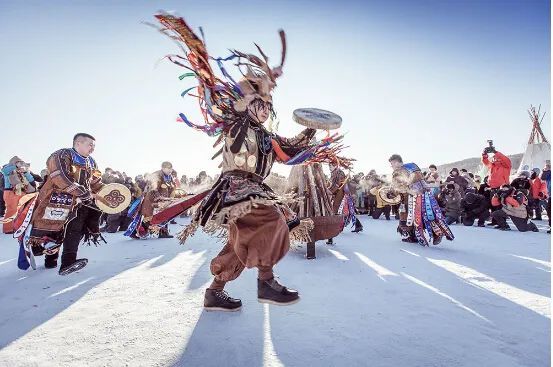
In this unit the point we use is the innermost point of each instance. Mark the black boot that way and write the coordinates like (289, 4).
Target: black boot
(358, 226)
(219, 300)
(50, 262)
(77, 265)
(270, 291)
(310, 253)
(164, 233)
(330, 241)
(409, 240)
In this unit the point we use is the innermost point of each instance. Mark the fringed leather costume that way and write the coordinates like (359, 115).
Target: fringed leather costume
(421, 219)
(257, 224)
(63, 210)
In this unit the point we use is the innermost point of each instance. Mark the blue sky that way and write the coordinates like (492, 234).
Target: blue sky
(430, 80)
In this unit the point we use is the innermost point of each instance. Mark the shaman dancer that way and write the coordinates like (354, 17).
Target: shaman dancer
(423, 221)
(257, 223)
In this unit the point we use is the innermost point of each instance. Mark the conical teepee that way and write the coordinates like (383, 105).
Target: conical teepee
(538, 149)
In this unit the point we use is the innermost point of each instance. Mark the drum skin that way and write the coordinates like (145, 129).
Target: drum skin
(383, 193)
(116, 198)
(316, 118)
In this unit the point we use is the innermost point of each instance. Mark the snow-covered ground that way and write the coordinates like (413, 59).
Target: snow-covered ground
(371, 300)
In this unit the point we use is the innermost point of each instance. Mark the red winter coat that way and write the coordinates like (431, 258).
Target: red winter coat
(509, 200)
(500, 169)
(537, 186)
(513, 206)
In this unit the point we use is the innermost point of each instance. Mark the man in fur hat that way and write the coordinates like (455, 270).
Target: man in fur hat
(159, 190)
(18, 181)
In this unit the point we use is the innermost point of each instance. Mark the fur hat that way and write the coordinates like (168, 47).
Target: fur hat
(15, 160)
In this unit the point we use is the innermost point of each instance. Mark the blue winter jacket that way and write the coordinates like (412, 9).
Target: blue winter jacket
(7, 170)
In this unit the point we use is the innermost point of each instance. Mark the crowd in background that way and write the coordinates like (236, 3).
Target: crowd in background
(467, 198)
(17, 179)
(464, 197)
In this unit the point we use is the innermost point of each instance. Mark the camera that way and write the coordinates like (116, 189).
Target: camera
(505, 191)
(490, 148)
(448, 189)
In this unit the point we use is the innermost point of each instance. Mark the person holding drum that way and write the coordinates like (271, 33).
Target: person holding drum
(64, 211)
(159, 193)
(240, 207)
(308, 183)
(421, 219)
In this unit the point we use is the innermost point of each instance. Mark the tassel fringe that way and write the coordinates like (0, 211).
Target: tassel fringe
(301, 232)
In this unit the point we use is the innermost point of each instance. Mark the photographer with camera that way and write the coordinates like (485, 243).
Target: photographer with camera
(460, 182)
(522, 182)
(450, 197)
(474, 206)
(538, 194)
(546, 176)
(469, 177)
(513, 205)
(499, 166)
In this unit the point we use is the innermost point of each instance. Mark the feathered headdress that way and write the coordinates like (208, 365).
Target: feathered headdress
(220, 99)
(223, 100)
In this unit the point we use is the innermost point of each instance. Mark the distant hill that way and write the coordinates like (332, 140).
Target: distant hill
(474, 164)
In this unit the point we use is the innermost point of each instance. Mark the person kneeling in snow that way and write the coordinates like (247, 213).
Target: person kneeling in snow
(474, 206)
(451, 197)
(513, 206)
(381, 206)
